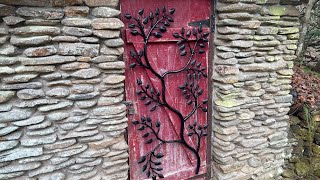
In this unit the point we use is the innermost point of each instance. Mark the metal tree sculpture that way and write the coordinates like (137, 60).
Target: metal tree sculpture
(154, 25)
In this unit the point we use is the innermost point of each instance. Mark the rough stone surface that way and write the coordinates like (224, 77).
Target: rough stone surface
(53, 103)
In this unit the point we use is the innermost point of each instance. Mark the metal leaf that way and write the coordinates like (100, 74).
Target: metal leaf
(188, 33)
(163, 29)
(153, 108)
(184, 91)
(189, 102)
(206, 126)
(132, 53)
(205, 34)
(193, 62)
(148, 103)
(204, 109)
(172, 10)
(131, 26)
(200, 29)
(187, 96)
(141, 128)
(143, 119)
(190, 127)
(201, 51)
(159, 169)
(157, 11)
(140, 53)
(154, 177)
(166, 23)
(149, 141)
(145, 20)
(146, 135)
(158, 123)
(164, 9)
(140, 12)
(183, 53)
(134, 32)
(205, 101)
(159, 155)
(158, 93)
(200, 92)
(182, 30)
(147, 86)
(194, 32)
(133, 65)
(190, 134)
(144, 167)
(202, 45)
(148, 174)
(151, 15)
(128, 16)
(142, 159)
(148, 119)
(199, 64)
(157, 163)
(176, 35)
(139, 82)
(205, 134)
(196, 87)
(158, 34)
(204, 74)
(135, 122)
(205, 40)
(143, 98)
(182, 47)
(160, 176)
(170, 19)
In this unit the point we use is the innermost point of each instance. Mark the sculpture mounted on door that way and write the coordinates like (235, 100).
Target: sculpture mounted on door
(155, 24)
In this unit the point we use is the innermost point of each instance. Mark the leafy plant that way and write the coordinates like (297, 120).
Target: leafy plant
(154, 25)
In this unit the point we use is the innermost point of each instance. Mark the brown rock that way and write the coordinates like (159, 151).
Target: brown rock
(107, 23)
(76, 11)
(96, 3)
(40, 51)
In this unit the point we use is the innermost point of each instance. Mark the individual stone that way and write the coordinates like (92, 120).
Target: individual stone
(86, 73)
(74, 66)
(266, 30)
(57, 116)
(86, 103)
(6, 10)
(33, 69)
(19, 167)
(283, 99)
(75, 31)
(78, 134)
(47, 13)
(111, 51)
(283, 10)
(264, 67)
(105, 12)
(238, 7)
(107, 23)
(50, 168)
(76, 11)
(83, 96)
(42, 22)
(7, 130)
(103, 58)
(30, 94)
(252, 142)
(113, 79)
(4, 39)
(98, 3)
(25, 41)
(110, 110)
(36, 30)
(118, 42)
(289, 30)
(40, 51)
(4, 31)
(6, 145)
(112, 65)
(91, 40)
(79, 49)
(8, 50)
(47, 60)
(82, 88)
(39, 141)
(12, 20)
(30, 121)
(7, 60)
(64, 104)
(6, 96)
(107, 34)
(65, 39)
(6, 70)
(78, 22)
(19, 153)
(5, 107)
(58, 92)
(106, 101)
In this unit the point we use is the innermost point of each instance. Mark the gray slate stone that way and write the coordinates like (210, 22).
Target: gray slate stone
(86, 73)
(107, 23)
(19, 153)
(31, 85)
(75, 31)
(47, 13)
(8, 50)
(36, 102)
(58, 116)
(6, 145)
(105, 12)
(112, 65)
(114, 79)
(12, 20)
(30, 94)
(104, 58)
(6, 70)
(47, 60)
(33, 69)
(110, 110)
(58, 92)
(118, 42)
(19, 167)
(77, 22)
(15, 115)
(36, 30)
(6, 96)
(79, 49)
(60, 105)
(107, 34)
(39, 141)
(25, 41)
(82, 88)
(7, 130)
(30, 121)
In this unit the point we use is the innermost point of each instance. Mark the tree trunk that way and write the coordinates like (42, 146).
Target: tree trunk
(304, 29)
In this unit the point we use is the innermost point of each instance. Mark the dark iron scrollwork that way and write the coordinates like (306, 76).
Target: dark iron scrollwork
(155, 24)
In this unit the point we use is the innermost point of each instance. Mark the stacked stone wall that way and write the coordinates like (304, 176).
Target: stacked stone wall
(255, 47)
(61, 90)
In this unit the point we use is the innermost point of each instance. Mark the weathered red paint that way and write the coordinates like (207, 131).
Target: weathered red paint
(178, 162)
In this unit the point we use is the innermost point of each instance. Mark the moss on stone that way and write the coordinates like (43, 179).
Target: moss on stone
(277, 10)
(229, 103)
(302, 168)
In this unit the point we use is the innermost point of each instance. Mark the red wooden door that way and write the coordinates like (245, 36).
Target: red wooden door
(166, 81)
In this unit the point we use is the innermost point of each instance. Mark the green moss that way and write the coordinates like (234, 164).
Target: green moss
(317, 173)
(308, 70)
(277, 10)
(302, 168)
(229, 103)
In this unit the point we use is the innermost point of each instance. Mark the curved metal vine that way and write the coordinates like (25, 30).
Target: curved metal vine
(155, 24)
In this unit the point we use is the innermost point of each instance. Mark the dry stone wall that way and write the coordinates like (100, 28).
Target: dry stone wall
(255, 48)
(61, 90)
